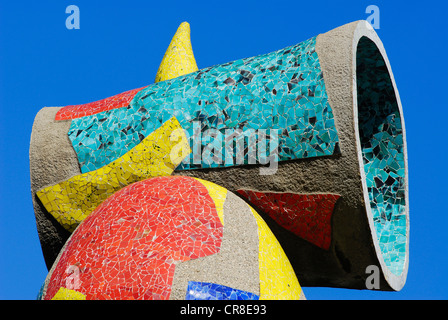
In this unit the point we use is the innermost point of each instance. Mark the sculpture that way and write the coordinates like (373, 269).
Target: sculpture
(237, 181)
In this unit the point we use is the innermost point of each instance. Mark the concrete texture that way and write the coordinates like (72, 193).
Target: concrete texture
(236, 264)
(52, 160)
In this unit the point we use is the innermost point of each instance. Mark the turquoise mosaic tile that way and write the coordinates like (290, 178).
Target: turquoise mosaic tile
(281, 94)
(381, 135)
(212, 291)
(41, 292)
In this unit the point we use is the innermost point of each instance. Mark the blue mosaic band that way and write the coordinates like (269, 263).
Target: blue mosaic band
(212, 291)
(281, 93)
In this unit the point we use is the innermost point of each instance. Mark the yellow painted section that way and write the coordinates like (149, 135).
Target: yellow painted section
(278, 280)
(178, 59)
(71, 201)
(67, 294)
(218, 194)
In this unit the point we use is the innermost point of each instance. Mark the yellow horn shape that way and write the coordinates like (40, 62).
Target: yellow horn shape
(178, 59)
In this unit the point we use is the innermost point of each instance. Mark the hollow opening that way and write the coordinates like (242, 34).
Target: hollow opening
(381, 137)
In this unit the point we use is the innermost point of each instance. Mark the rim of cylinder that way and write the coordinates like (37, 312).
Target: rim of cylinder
(394, 269)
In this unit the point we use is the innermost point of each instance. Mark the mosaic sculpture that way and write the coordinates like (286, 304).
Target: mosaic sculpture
(235, 181)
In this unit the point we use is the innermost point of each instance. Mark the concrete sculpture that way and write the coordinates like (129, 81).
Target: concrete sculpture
(236, 181)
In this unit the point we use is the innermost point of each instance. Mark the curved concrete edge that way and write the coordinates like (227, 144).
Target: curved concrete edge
(337, 55)
(364, 29)
(52, 160)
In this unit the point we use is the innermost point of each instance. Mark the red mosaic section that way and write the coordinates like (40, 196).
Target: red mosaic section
(306, 215)
(128, 247)
(82, 110)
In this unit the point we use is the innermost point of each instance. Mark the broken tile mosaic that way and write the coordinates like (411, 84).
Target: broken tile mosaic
(68, 294)
(212, 291)
(282, 92)
(381, 136)
(179, 58)
(82, 110)
(306, 215)
(70, 201)
(129, 246)
(177, 61)
(218, 195)
(277, 277)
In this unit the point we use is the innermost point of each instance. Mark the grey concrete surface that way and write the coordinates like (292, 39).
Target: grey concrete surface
(52, 160)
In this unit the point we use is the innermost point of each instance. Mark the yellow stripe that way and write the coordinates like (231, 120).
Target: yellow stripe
(218, 194)
(71, 201)
(178, 59)
(278, 280)
(67, 294)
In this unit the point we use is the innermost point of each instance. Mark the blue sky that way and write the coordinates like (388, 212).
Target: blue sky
(119, 47)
